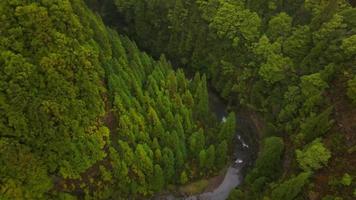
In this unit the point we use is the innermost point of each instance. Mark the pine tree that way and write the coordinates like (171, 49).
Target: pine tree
(228, 129)
(221, 152)
(158, 179)
(210, 157)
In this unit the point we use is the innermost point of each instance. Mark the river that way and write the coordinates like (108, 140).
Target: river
(245, 151)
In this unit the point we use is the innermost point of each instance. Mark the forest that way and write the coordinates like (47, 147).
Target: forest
(111, 99)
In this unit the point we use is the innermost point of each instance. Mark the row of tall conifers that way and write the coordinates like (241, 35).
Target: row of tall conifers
(86, 114)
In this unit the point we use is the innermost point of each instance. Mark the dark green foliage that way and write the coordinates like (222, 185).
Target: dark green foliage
(228, 129)
(316, 125)
(351, 90)
(268, 163)
(221, 151)
(289, 189)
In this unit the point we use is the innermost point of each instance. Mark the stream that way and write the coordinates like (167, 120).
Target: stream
(244, 153)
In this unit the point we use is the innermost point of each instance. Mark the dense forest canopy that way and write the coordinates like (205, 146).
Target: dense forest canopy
(80, 102)
(85, 113)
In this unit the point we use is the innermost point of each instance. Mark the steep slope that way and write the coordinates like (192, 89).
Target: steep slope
(293, 62)
(85, 114)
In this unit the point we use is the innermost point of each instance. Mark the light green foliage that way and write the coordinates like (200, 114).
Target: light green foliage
(107, 176)
(290, 189)
(279, 26)
(314, 156)
(65, 76)
(275, 68)
(183, 178)
(349, 45)
(346, 179)
(328, 28)
(232, 21)
(265, 48)
(298, 43)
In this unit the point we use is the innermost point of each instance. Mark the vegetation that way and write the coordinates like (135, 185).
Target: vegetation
(84, 113)
(84, 105)
(290, 61)
(313, 157)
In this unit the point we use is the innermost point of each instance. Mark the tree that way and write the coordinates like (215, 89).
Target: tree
(351, 90)
(290, 189)
(233, 22)
(183, 178)
(298, 43)
(268, 163)
(202, 159)
(279, 26)
(348, 45)
(158, 178)
(274, 70)
(210, 154)
(316, 125)
(228, 129)
(143, 160)
(168, 165)
(202, 105)
(314, 156)
(221, 152)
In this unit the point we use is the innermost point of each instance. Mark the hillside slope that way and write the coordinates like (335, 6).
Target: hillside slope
(291, 61)
(85, 114)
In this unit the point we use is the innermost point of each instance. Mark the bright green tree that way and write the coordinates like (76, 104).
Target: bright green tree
(314, 156)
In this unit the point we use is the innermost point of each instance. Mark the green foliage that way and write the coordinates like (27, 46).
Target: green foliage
(346, 179)
(236, 194)
(77, 99)
(268, 163)
(183, 178)
(313, 157)
(281, 59)
(221, 153)
(275, 68)
(351, 90)
(297, 44)
(279, 26)
(348, 45)
(316, 125)
(228, 129)
(158, 178)
(232, 21)
(289, 189)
